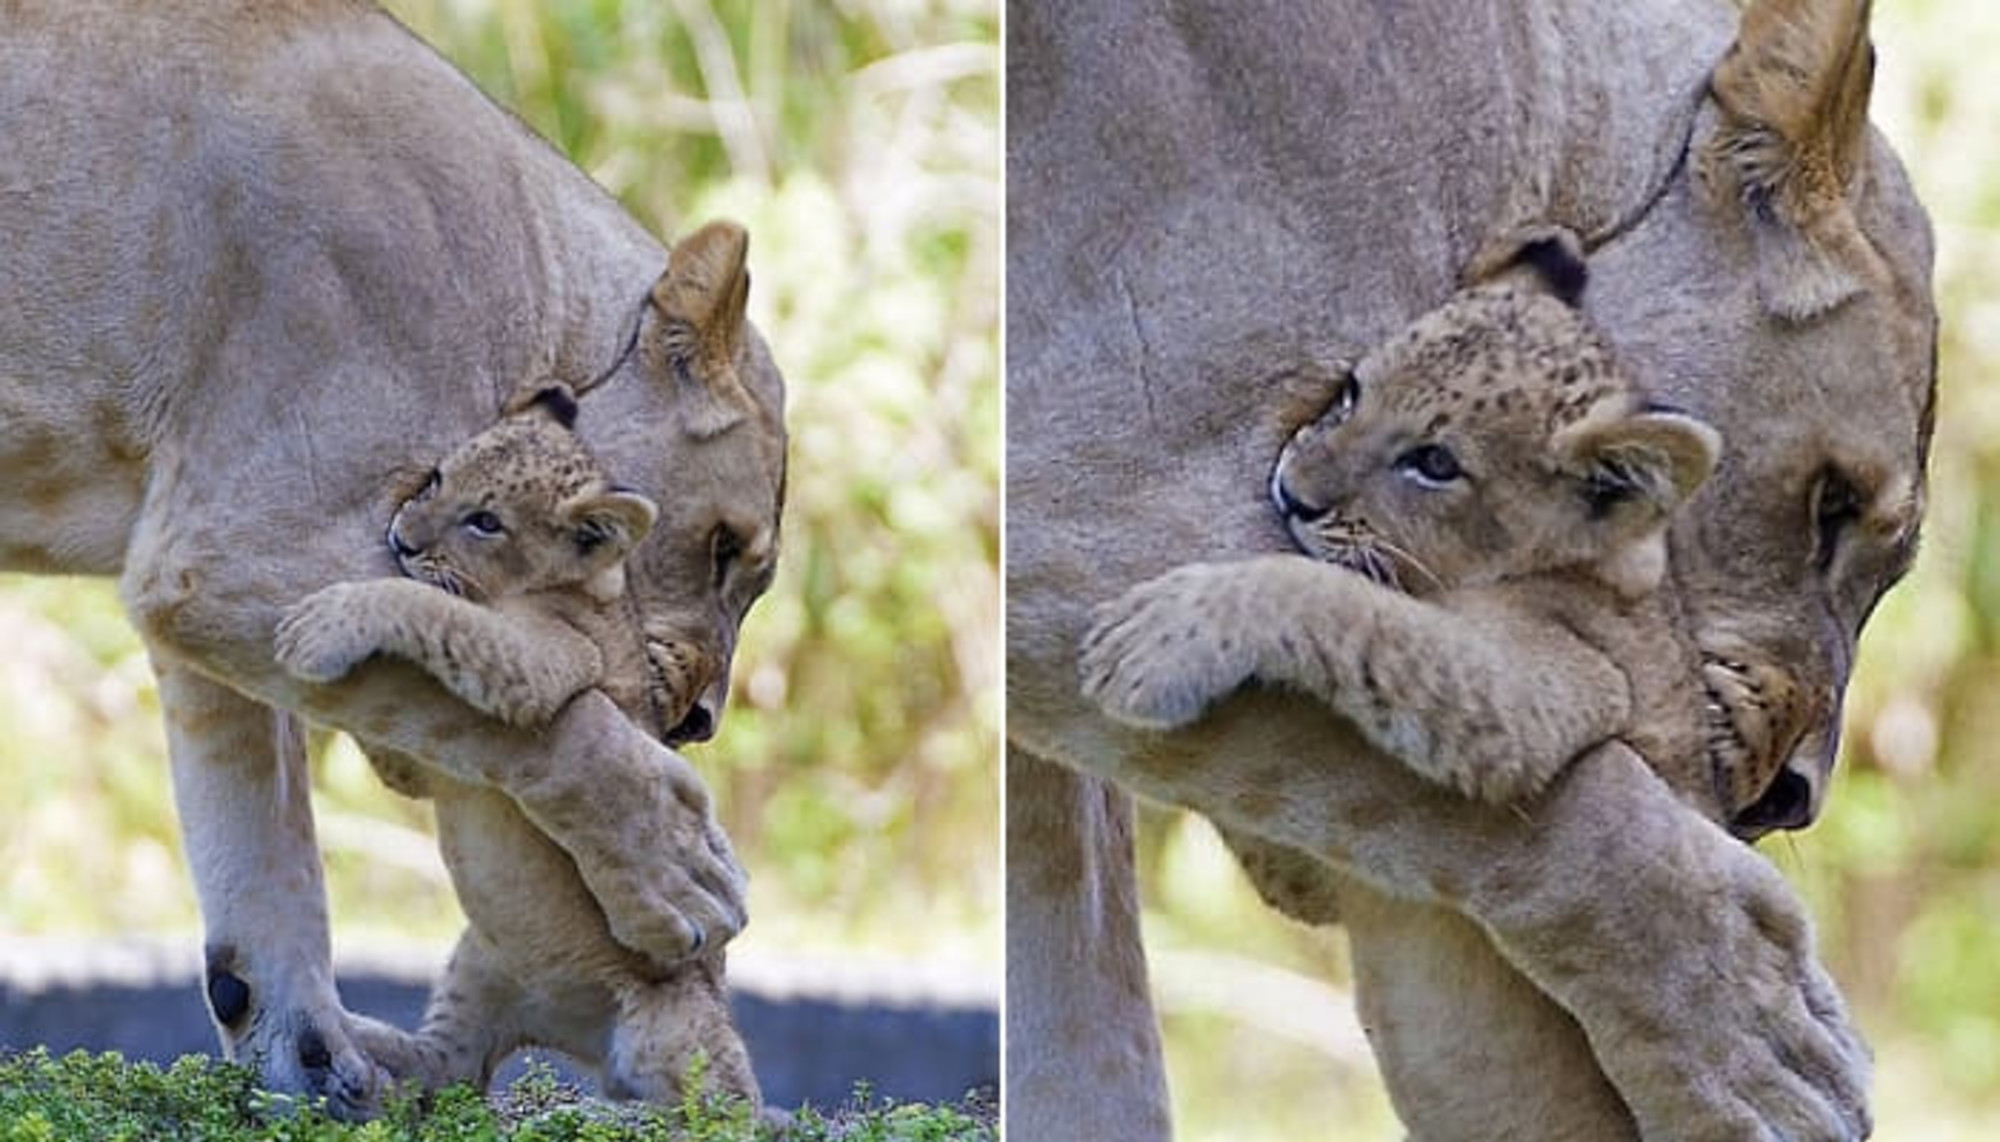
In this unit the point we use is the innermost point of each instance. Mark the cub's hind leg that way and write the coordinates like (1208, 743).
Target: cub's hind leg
(668, 1030)
(480, 1012)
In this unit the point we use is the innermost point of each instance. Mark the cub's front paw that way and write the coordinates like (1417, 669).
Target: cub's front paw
(1163, 652)
(320, 638)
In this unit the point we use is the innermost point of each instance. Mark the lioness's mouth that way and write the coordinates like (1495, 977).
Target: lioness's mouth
(1753, 724)
(667, 705)
(1728, 752)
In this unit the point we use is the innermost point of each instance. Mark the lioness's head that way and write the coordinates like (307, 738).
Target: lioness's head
(693, 419)
(521, 507)
(1493, 438)
(1780, 288)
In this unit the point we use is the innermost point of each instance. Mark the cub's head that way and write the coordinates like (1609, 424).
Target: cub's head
(521, 507)
(1493, 438)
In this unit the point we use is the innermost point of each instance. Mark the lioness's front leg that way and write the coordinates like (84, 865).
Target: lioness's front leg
(246, 821)
(1083, 1053)
(634, 816)
(1606, 892)
(1491, 704)
(518, 667)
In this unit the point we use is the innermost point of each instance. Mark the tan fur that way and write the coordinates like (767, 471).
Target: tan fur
(515, 551)
(265, 264)
(1208, 208)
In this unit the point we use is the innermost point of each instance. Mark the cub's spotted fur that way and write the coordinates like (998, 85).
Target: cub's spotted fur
(515, 552)
(1500, 493)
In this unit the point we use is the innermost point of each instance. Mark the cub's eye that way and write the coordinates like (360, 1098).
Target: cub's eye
(484, 524)
(1432, 465)
(1836, 506)
(725, 548)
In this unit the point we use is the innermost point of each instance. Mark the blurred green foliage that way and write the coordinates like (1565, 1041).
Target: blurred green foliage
(1903, 872)
(857, 766)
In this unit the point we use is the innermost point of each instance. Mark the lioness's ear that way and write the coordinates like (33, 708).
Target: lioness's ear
(702, 299)
(1793, 94)
(608, 525)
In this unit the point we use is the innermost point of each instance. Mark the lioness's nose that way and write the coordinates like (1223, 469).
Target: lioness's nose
(1792, 800)
(697, 726)
(702, 719)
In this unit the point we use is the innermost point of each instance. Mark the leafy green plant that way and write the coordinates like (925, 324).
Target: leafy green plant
(106, 1099)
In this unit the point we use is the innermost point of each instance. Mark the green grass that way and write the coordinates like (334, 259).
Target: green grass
(106, 1099)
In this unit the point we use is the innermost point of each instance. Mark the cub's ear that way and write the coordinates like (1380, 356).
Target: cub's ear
(608, 525)
(1651, 460)
(1793, 95)
(1548, 258)
(701, 300)
(554, 401)
(1635, 470)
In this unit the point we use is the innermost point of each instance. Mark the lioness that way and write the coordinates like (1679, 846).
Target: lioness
(516, 550)
(1209, 206)
(265, 262)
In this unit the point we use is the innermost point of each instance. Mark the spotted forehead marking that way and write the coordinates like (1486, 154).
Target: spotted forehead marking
(1497, 349)
(523, 455)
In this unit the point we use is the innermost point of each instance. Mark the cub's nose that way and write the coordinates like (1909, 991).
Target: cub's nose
(1290, 505)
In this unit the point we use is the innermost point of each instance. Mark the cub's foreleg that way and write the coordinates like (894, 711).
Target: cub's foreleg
(519, 667)
(1490, 703)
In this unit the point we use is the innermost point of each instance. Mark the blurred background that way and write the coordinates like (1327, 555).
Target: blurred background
(1903, 872)
(857, 767)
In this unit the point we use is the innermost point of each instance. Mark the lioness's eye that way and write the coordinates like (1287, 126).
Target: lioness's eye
(484, 523)
(1432, 465)
(431, 483)
(1836, 505)
(725, 547)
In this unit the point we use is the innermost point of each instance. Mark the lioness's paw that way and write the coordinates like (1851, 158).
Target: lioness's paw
(320, 638)
(1678, 904)
(1163, 652)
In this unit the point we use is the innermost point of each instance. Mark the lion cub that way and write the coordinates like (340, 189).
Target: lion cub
(1493, 496)
(515, 551)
